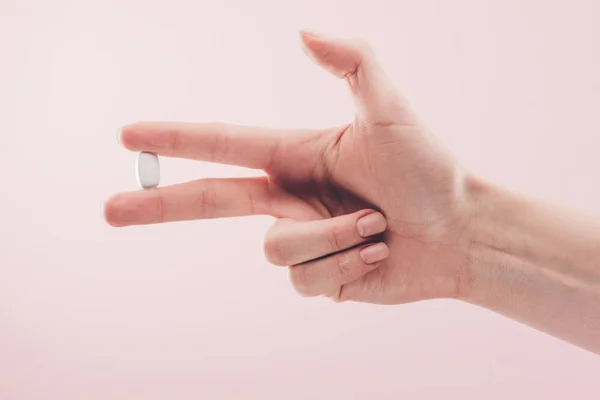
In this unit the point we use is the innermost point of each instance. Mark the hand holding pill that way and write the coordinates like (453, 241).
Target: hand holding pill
(329, 189)
(377, 210)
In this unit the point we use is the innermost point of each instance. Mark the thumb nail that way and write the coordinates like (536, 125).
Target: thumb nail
(311, 33)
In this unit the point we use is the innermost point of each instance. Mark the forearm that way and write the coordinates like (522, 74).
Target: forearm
(535, 263)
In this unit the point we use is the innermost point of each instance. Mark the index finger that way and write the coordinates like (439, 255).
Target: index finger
(243, 146)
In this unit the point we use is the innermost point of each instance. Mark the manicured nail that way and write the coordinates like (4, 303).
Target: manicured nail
(374, 253)
(371, 224)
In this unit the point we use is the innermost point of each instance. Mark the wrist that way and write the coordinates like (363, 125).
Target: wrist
(517, 245)
(503, 243)
(535, 263)
(483, 243)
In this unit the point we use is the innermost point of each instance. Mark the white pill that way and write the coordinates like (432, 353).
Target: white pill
(147, 170)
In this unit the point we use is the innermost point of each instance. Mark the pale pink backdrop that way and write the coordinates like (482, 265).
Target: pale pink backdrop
(192, 310)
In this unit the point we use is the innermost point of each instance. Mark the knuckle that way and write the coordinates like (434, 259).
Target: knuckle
(252, 202)
(343, 264)
(335, 238)
(301, 281)
(207, 200)
(173, 140)
(219, 139)
(273, 249)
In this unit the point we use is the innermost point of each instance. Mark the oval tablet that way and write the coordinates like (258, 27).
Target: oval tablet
(147, 170)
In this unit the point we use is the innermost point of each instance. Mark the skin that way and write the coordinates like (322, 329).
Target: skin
(379, 211)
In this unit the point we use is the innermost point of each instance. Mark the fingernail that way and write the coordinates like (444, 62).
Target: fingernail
(371, 224)
(119, 136)
(374, 253)
(311, 32)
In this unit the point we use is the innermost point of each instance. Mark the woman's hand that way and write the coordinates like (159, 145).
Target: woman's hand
(335, 191)
(329, 190)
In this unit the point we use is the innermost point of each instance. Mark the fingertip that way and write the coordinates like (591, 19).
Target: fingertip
(312, 34)
(126, 136)
(108, 213)
(140, 207)
(375, 253)
(307, 44)
(371, 224)
(336, 55)
(112, 210)
(307, 32)
(129, 208)
(314, 42)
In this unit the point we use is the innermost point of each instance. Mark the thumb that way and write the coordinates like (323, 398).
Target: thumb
(375, 96)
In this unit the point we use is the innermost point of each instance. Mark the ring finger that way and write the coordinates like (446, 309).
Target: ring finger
(327, 275)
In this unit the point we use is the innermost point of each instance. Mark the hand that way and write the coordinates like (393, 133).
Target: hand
(329, 190)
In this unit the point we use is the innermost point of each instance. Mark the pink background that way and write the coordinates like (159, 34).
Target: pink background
(192, 310)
